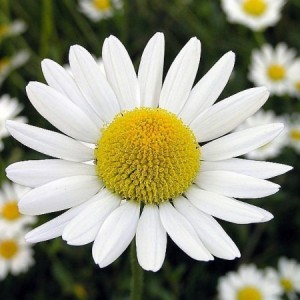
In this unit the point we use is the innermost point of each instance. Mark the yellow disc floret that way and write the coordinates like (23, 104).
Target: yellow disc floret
(295, 134)
(10, 211)
(255, 8)
(249, 293)
(8, 249)
(102, 4)
(276, 72)
(147, 155)
(287, 285)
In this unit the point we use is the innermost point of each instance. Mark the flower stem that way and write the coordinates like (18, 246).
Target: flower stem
(137, 275)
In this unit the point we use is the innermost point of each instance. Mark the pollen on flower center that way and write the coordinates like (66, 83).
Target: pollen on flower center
(276, 72)
(255, 8)
(297, 86)
(3, 63)
(249, 292)
(287, 284)
(147, 155)
(102, 4)
(10, 211)
(295, 134)
(8, 248)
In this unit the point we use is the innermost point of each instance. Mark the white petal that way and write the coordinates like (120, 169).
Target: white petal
(241, 142)
(116, 233)
(84, 227)
(151, 71)
(225, 208)
(92, 82)
(182, 232)
(55, 227)
(180, 77)
(60, 194)
(49, 142)
(208, 229)
(235, 185)
(258, 169)
(62, 113)
(208, 89)
(151, 239)
(34, 173)
(60, 79)
(228, 114)
(120, 73)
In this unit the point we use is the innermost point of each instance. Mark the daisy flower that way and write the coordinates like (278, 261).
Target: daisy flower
(248, 283)
(147, 175)
(16, 255)
(294, 132)
(255, 14)
(9, 108)
(97, 10)
(294, 77)
(10, 218)
(8, 64)
(273, 148)
(271, 68)
(14, 28)
(287, 276)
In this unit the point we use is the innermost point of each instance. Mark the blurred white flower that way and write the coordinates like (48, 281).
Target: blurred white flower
(271, 67)
(274, 147)
(16, 255)
(294, 132)
(287, 275)
(11, 219)
(255, 14)
(8, 64)
(294, 76)
(14, 28)
(248, 283)
(97, 10)
(9, 108)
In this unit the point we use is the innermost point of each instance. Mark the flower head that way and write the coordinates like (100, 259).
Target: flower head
(294, 132)
(14, 28)
(9, 109)
(271, 68)
(255, 14)
(97, 10)
(248, 283)
(149, 172)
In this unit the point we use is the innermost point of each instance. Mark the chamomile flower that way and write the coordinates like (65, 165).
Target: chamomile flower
(248, 283)
(9, 109)
(8, 64)
(294, 76)
(14, 28)
(149, 173)
(273, 148)
(294, 132)
(11, 219)
(16, 255)
(97, 10)
(271, 68)
(255, 14)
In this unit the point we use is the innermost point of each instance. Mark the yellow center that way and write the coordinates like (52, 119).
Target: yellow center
(295, 134)
(3, 63)
(10, 211)
(297, 86)
(249, 293)
(147, 155)
(8, 249)
(287, 285)
(102, 4)
(255, 8)
(276, 72)
(3, 29)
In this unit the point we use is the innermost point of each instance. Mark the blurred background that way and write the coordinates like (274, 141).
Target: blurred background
(48, 28)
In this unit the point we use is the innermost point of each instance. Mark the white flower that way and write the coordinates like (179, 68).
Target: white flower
(97, 10)
(288, 275)
(10, 218)
(98, 60)
(271, 68)
(9, 108)
(8, 64)
(16, 255)
(248, 283)
(255, 14)
(294, 76)
(294, 132)
(273, 148)
(146, 155)
(14, 28)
